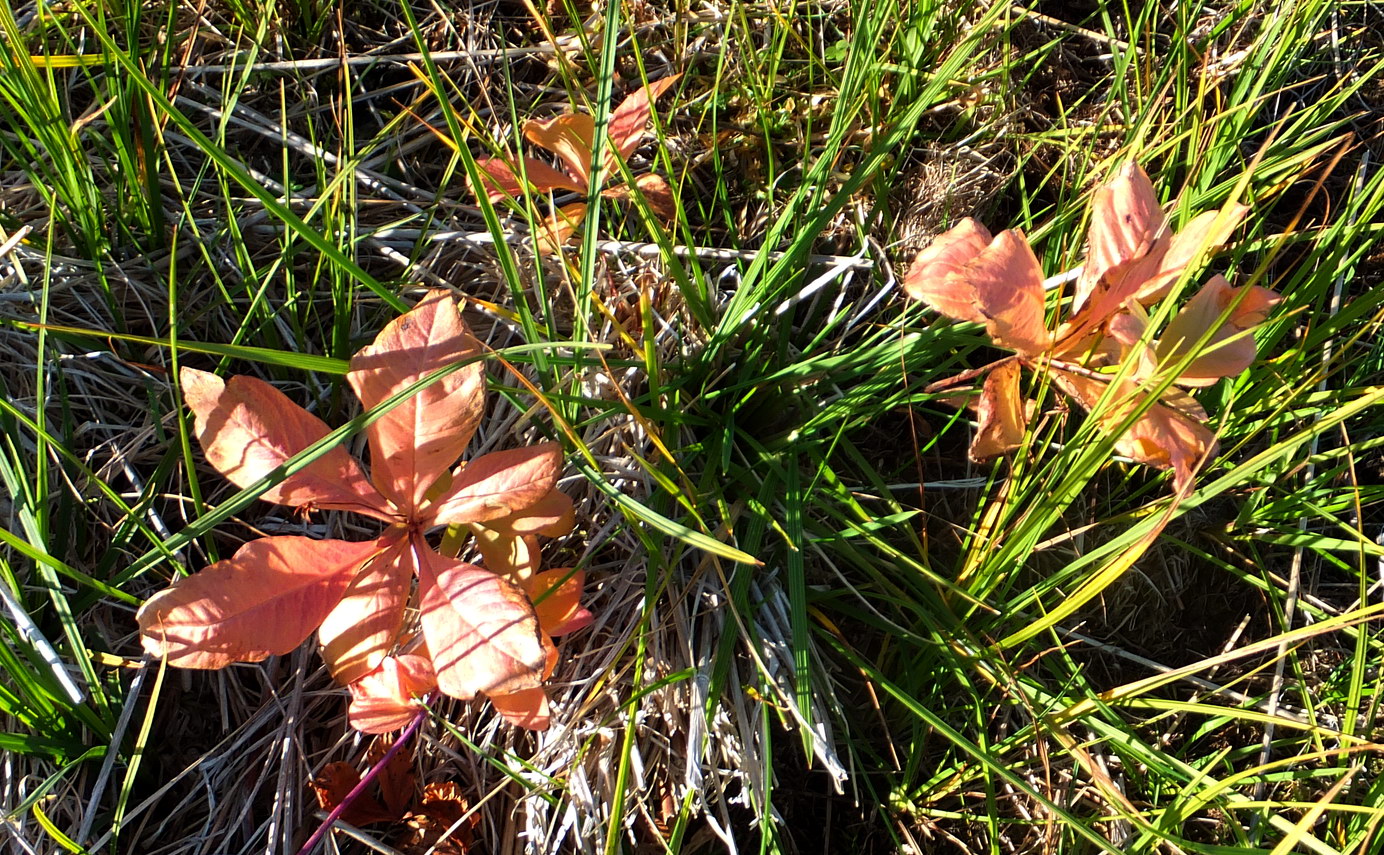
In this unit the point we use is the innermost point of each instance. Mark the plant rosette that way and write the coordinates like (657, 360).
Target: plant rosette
(484, 630)
(572, 137)
(1104, 356)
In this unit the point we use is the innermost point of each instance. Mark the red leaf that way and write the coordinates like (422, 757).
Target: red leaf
(364, 626)
(248, 428)
(1230, 346)
(481, 630)
(444, 803)
(387, 698)
(1000, 414)
(263, 601)
(413, 444)
(498, 484)
(629, 121)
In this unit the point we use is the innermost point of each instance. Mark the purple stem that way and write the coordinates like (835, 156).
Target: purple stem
(364, 782)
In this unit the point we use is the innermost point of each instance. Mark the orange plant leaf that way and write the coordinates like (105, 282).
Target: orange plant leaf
(363, 627)
(482, 632)
(443, 824)
(395, 779)
(1132, 253)
(526, 708)
(502, 181)
(513, 556)
(1000, 414)
(481, 629)
(937, 276)
(655, 191)
(966, 275)
(509, 545)
(557, 228)
(1132, 259)
(1009, 293)
(247, 428)
(446, 804)
(499, 484)
(263, 601)
(1124, 342)
(1207, 231)
(551, 516)
(387, 698)
(556, 596)
(1126, 219)
(570, 137)
(1162, 437)
(630, 120)
(1230, 348)
(414, 443)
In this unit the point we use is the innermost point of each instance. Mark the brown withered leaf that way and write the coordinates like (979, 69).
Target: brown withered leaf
(442, 807)
(396, 780)
(335, 782)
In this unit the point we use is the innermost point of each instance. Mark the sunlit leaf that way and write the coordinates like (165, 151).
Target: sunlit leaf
(569, 136)
(629, 121)
(247, 428)
(655, 191)
(388, 698)
(556, 595)
(559, 226)
(364, 626)
(937, 276)
(1000, 414)
(511, 555)
(414, 443)
(551, 516)
(1009, 293)
(527, 708)
(502, 181)
(263, 601)
(498, 484)
(1230, 346)
(1126, 219)
(481, 629)
(1161, 437)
